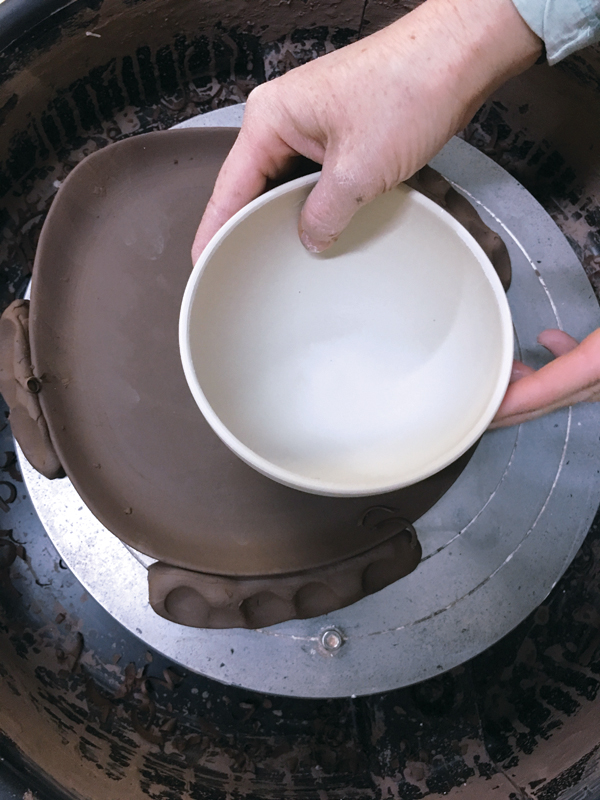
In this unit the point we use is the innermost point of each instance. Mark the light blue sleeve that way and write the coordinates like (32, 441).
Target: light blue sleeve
(563, 25)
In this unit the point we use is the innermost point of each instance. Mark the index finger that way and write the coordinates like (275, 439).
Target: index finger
(572, 378)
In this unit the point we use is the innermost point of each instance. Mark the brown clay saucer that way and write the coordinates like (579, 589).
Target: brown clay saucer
(110, 271)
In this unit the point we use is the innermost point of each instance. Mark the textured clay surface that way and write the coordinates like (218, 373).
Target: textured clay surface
(211, 601)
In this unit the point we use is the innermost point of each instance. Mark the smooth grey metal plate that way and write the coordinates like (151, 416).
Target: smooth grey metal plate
(494, 545)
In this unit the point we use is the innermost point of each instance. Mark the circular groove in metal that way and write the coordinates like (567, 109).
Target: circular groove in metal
(493, 546)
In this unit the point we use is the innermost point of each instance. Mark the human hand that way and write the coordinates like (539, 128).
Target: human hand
(372, 113)
(573, 377)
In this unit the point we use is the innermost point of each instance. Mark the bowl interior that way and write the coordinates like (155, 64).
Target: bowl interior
(357, 371)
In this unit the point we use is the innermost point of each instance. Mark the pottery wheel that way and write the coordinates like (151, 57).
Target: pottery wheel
(493, 546)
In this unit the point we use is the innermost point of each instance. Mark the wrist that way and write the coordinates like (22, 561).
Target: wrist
(499, 40)
(478, 45)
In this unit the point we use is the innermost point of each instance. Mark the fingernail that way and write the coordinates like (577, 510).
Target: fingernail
(311, 245)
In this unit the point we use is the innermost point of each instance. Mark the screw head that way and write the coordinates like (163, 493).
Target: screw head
(332, 640)
(34, 385)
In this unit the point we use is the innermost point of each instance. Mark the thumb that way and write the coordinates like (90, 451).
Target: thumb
(328, 209)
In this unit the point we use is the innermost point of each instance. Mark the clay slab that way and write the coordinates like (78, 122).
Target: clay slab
(111, 268)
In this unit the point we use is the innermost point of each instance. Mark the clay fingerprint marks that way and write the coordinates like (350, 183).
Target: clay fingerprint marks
(436, 188)
(210, 601)
(20, 389)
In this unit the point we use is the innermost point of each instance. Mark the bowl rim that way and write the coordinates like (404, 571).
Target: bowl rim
(316, 485)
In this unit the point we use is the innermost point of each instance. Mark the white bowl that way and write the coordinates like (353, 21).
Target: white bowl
(358, 371)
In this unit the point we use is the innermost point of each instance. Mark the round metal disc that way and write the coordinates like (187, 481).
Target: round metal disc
(493, 546)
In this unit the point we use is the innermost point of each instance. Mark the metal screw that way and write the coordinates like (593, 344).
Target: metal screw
(332, 640)
(34, 385)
